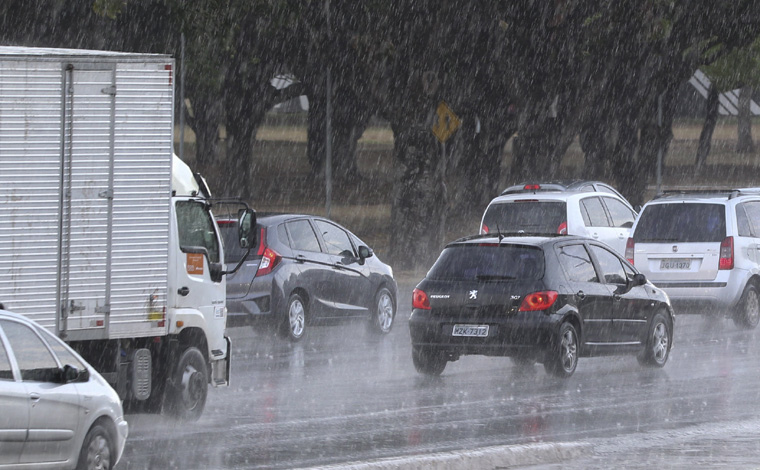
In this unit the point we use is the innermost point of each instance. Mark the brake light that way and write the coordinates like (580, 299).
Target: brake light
(562, 229)
(262, 242)
(269, 260)
(538, 301)
(484, 229)
(726, 260)
(532, 187)
(629, 246)
(420, 300)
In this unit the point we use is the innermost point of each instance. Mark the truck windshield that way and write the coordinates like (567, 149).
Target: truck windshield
(196, 228)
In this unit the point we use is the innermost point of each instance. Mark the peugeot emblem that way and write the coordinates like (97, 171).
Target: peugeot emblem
(675, 248)
(473, 295)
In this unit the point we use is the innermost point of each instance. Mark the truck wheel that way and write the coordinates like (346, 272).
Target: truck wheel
(190, 385)
(381, 318)
(294, 325)
(97, 449)
(428, 361)
(562, 357)
(747, 314)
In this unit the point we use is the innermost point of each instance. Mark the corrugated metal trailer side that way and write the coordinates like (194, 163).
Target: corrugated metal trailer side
(85, 186)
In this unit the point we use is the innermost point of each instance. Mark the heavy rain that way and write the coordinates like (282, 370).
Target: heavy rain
(487, 234)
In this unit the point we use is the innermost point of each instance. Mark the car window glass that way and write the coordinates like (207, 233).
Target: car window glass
(753, 214)
(35, 360)
(230, 233)
(6, 371)
(528, 216)
(621, 215)
(303, 236)
(282, 235)
(595, 211)
(681, 222)
(64, 355)
(488, 263)
(336, 239)
(742, 222)
(628, 272)
(612, 268)
(577, 263)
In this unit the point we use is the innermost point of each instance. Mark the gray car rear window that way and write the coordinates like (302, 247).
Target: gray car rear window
(488, 262)
(529, 216)
(681, 222)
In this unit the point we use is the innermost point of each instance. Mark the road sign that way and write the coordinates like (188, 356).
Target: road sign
(447, 122)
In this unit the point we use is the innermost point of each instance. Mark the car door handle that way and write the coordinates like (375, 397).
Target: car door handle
(581, 295)
(300, 259)
(595, 235)
(338, 266)
(35, 397)
(616, 297)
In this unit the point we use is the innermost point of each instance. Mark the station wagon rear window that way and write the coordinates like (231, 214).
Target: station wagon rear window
(681, 222)
(530, 216)
(488, 263)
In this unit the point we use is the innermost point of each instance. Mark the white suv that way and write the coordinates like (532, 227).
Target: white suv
(703, 249)
(602, 216)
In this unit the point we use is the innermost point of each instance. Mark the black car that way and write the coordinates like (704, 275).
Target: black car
(536, 299)
(306, 269)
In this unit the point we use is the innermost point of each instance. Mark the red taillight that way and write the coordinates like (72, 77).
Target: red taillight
(538, 301)
(484, 229)
(562, 229)
(262, 242)
(532, 187)
(726, 260)
(629, 246)
(420, 300)
(269, 260)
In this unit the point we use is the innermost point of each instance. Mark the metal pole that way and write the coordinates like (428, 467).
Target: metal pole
(659, 144)
(328, 126)
(182, 99)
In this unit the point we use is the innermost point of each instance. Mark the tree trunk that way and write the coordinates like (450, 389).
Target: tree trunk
(705, 137)
(744, 143)
(418, 212)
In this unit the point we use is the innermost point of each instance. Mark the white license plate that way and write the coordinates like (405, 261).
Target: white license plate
(675, 264)
(470, 330)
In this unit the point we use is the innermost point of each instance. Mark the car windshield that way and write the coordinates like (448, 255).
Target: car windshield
(486, 262)
(525, 216)
(681, 222)
(233, 252)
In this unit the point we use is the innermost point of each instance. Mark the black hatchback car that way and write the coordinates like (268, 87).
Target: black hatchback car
(306, 269)
(536, 299)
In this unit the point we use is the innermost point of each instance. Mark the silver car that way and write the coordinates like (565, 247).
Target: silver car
(56, 411)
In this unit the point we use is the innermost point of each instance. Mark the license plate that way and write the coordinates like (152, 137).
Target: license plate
(675, 264)
(470, 330)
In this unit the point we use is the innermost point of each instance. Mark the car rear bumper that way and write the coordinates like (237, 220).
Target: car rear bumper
(122, 431)
(724, 292)
(527, 333)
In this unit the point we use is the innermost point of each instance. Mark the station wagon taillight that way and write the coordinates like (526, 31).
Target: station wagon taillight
(726, 260)
(629, 246)
(420, 300)
(538, 301)
(269, 258)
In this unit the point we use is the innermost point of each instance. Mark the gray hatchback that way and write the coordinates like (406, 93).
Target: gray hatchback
(306, 269)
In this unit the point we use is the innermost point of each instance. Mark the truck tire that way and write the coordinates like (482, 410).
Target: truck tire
(97, 450)
(188, 395)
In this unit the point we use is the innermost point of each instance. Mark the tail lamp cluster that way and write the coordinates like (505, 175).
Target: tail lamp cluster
(537, 301)
(269, 258)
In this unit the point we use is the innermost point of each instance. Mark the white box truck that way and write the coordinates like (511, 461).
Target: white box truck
(97, 243)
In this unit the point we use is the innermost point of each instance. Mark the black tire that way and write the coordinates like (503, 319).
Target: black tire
(659, 336)
(428, 361)
(562, 358)
(383, 312)
(293, 326)
(190, 386)
(747, 315)
(97, 450)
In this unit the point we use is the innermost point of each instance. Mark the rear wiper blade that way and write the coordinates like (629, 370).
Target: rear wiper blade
(650, 240)
(493, 277)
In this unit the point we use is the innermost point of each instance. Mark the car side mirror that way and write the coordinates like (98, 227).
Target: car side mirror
(73, 374)
(638, 280)
(364, 253)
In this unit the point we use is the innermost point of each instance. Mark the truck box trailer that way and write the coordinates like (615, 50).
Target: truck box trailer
(96, 243)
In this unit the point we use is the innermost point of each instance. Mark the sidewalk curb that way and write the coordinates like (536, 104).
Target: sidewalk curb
(498, 457)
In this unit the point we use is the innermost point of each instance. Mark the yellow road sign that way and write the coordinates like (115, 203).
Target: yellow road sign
(447, 122)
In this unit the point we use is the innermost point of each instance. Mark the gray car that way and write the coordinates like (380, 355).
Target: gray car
(306, 270)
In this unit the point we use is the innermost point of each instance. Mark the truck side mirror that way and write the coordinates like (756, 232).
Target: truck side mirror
(247, 228)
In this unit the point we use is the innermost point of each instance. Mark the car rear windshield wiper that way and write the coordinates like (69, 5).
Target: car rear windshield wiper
(663, 239)
(493, 277)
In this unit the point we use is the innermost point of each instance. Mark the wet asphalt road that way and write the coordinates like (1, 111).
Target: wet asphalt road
(344, 395)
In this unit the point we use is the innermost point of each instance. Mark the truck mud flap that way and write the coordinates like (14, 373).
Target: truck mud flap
(220, 369)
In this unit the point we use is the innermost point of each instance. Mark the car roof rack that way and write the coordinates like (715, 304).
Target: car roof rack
(729, 193)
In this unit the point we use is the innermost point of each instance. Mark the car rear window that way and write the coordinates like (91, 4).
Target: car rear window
(681, 222)
(488, 262)
(529, 216)
(233, 252)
